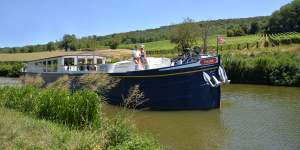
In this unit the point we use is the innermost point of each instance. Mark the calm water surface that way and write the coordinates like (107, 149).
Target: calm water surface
(251, 117)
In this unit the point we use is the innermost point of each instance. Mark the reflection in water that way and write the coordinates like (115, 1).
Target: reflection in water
(251, 117)
(178, 129)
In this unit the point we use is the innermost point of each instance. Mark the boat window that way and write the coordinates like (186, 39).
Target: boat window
(90, 61)
(39, 64)
(81, 61)
(81, 64)
(52, 66)
(69, 61)
(44, 66)
(99, 61)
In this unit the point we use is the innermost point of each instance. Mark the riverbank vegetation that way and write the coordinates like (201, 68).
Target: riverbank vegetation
(10, 69)
(273, 66)
(63, 117)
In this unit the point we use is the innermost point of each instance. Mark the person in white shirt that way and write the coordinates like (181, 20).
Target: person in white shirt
(140, 59)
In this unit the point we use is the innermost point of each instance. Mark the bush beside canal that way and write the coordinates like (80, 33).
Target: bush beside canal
(273, 68)
(80, 111)
(10, 69)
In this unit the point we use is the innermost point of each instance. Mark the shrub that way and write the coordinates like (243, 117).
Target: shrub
(135, 97)
(10, 69)
(261, 70)
(79, 109)
(265, 68)
(237, 69)
(285, 73)
(99, 83)
(137, 143)
(36, 81)
(19, 98)
(63, 83)
(117, 131)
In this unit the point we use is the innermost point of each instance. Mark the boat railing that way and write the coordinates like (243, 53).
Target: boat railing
(80, 68)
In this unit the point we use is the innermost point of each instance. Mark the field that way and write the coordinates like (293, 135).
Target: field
(167, 45)
(231, 43)
(240, 42)
(23, 57)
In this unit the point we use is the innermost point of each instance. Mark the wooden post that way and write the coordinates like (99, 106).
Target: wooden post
(217, 44)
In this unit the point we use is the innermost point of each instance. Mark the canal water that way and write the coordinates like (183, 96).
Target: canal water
(250, 117)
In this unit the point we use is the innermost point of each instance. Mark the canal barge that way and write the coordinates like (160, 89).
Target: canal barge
(185, 83)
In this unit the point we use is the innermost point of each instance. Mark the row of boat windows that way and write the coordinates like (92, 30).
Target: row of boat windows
(52, 65)
(81, 61)
(48, 66)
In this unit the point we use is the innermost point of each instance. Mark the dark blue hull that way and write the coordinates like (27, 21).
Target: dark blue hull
(164, 88)
(179, 89)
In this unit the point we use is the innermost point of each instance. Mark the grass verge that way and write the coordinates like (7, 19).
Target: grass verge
(60, 119)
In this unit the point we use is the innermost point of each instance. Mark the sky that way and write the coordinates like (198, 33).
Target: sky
(26, 22)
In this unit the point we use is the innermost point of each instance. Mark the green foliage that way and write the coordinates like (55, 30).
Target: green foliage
(69, 42)
(185, 35)
(51, 46)
(10, 69)
(284, 38)
(19, 98)
(286, 19)
(21, 131)
(254, 28)
(122, 136)
(79, 109)
(113, 43)
(239, 30)
(274, 69)
(35, 81)
(137, 143)
(99, 83)
(118, 131)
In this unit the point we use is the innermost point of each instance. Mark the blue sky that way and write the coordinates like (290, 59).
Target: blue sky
(24, 22)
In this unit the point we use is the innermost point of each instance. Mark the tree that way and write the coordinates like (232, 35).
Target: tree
(69, 42)
(238, 30)
(50, 46)
(254, 27)
(244, 28)
(205, 34)
(113, 43)
(185, 34)
(287, 19)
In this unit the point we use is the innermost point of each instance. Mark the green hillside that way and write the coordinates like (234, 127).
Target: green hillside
(151, 36)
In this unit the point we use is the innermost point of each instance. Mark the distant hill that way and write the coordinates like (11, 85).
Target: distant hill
(140, 36)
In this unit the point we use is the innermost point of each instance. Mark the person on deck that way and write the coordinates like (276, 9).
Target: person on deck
(140, 59)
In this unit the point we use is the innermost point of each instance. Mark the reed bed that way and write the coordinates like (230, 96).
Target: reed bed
(273, 68)
(78, 111)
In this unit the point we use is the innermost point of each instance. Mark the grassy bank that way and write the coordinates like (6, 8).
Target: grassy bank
(274, 66)
(67, 120)
(21, 131)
